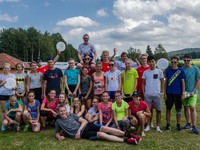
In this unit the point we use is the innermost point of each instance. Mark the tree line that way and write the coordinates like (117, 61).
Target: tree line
(30, 44)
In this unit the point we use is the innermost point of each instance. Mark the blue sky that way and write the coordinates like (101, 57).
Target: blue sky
(110, 23)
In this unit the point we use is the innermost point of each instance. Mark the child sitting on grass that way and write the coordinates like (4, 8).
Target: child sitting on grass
(93, 113)
(13, 112)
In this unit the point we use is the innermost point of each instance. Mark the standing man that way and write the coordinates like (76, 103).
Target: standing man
(192, 83)
(86, 48)
(152, 86)
(52, 78)
(175, 90)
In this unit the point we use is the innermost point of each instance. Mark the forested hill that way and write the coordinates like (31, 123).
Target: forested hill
(195, 52)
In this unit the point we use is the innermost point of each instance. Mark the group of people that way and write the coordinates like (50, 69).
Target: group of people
(99, 99)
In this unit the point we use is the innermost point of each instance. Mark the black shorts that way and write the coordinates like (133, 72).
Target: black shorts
(173, 98)
(128, 98)
(71, 88)
(4, 97)
(49, 117)
(90, 131)
(38, 94)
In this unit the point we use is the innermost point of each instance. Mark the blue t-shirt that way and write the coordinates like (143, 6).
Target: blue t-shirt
(33, 112)
(53, 78)
(174, 83)
(7, 105)
(191, 74)
(72, 76)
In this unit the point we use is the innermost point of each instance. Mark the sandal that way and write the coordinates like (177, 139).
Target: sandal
(18, 128)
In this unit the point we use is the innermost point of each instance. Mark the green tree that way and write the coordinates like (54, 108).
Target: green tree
(160, 52)
(149, 51)
(133, 52)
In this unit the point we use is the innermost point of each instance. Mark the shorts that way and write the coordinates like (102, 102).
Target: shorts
(190, 101)
(90, 131)
(128, 98)
(154, 99)
(38, 94)
(71, 88)
(173, 98)
(112, 94)
(49, 117)
(4, 97)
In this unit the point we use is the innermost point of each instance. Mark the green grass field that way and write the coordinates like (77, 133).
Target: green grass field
(172, 140)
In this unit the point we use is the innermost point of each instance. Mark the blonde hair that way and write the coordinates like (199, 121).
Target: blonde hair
(6, 64)
(10, 99)
(105, 51)
(66, 99)
(125, 71)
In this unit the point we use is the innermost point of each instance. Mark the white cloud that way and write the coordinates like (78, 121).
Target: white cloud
(8, 18)
(80, 21)
(9, 1)
(102, 12)
(46, 3)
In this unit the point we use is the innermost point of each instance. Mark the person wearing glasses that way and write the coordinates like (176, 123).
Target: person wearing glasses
(86, 48)
(191, 86)
(175, 90)
(113, 80)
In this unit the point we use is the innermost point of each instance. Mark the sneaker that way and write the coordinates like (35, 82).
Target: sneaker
(132, 141)
(138, 139)
(158, 129)
(195, 130)
(168, 128)
(3, 128)
(25, 128)
(147, 128)
(187, 127)
(178, 128)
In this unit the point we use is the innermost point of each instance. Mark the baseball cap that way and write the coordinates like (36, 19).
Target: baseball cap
(136, 93)
(49, 58)
(38, 60)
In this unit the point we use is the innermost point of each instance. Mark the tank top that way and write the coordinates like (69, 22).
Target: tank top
(99, 80)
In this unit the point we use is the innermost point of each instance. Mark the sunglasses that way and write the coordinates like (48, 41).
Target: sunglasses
(187, 60)
(85, 38)
(174, 62)
(86, 58)
(111, 64)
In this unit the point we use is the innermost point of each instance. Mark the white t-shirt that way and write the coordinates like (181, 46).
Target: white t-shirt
(113, 80)
(92, 111)
(3, 89)
(86, 49)
(121, 65)
(153, 84)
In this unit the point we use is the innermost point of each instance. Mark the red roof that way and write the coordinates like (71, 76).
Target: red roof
(5, 58)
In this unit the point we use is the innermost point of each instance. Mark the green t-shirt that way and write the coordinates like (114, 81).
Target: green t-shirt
(128, 80)
(120, 111)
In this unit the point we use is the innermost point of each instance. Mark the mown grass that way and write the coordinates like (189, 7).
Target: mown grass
(172, 140)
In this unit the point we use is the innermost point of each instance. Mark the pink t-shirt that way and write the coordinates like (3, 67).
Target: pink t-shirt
(52, 105)
(142, 106)
(99, 81)
(106, 111)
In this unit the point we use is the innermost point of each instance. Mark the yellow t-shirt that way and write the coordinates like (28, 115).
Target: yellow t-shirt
(128, 80)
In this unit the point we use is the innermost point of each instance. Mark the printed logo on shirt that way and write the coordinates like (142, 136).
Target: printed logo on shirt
(175, 75)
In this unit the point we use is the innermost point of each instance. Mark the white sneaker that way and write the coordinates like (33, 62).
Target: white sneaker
(158, 129)
(147, 128)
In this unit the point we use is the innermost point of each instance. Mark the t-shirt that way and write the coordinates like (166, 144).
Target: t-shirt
(113, 80)
(3, 89)
(43, 69)
(35, 80)
(191, 74)
(120, 111)
(69, 125)
(20, 80)
(86, 49)
(173, 82)
(99, 80)
(106, 111)
(7, 105)
(93, 112)
(72, 76)
(53, 78)
(153, 84)
(142, 106)
(121, 65)
(85, 84)
(128, 80)
(105, 66)
(33, 112)
(140, 71)
(52, 105)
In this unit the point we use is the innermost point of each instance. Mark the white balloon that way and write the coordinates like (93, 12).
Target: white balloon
(162, 63)
(60, 46)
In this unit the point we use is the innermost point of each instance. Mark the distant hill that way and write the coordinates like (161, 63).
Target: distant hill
(185, 51)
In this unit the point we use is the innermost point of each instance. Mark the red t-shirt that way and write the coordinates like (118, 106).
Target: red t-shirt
(43, 69)
(105, 67)
(140, 71)
(142, 106)
(52, 105)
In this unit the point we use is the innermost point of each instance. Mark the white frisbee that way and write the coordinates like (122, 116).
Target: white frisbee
(162, 63)
(60, 46)
(10, 83)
